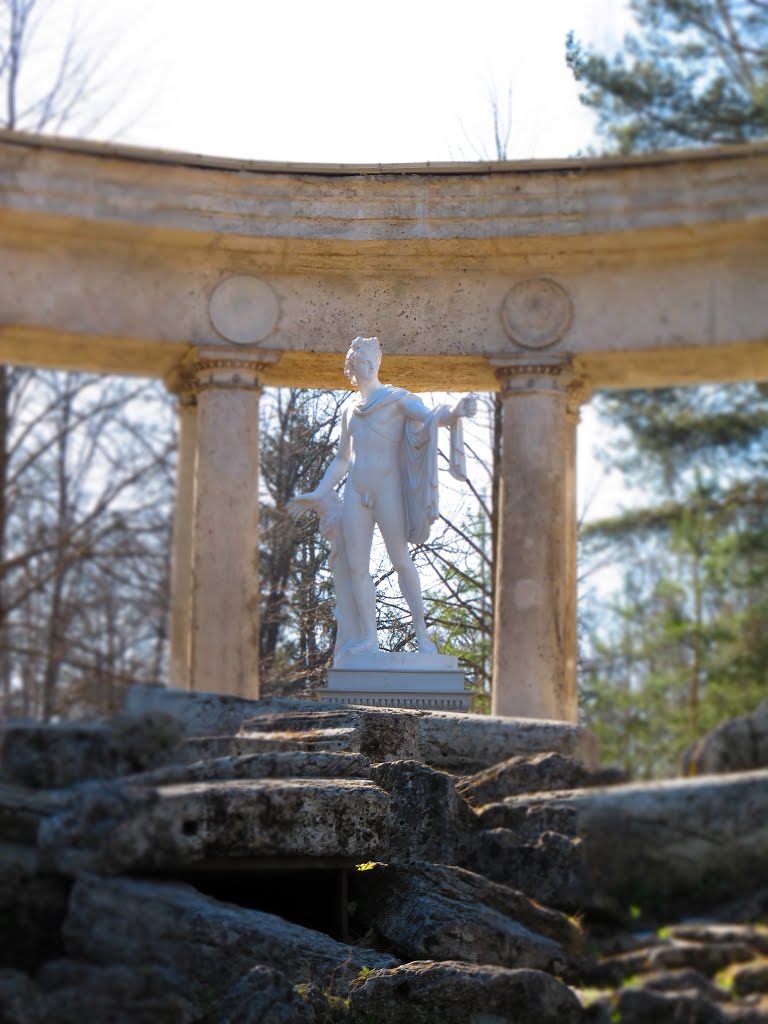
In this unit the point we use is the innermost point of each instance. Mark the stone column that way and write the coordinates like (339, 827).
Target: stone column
(578, 393)
(225, 565)
(179, 626)
(534, 654)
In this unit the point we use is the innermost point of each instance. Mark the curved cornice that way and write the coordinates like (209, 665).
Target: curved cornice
(643, 270)
(462, 206)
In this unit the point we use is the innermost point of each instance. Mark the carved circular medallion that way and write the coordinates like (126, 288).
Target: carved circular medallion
(244, 309)
(537, 312)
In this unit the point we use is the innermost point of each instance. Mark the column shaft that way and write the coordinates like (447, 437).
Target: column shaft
(578, 393)
(535, 633)
(181, 565)
(225, 578)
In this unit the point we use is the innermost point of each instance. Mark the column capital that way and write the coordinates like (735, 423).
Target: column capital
(180, 382)
(225, 369)
(525, 374)
(552, 375)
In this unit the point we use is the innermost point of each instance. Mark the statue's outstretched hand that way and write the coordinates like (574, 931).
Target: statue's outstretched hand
(466, 406)
(303, 503)
(325, 501)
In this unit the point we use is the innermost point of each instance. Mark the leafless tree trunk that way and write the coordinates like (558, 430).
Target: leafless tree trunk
(299, 436)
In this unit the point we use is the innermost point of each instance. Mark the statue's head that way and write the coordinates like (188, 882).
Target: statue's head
(363, 358)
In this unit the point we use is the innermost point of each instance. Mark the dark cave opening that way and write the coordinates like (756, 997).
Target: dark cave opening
(312, 897)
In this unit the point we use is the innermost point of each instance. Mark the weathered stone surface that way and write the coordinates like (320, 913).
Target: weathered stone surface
(262, 996)
(213, 944)
(444, 913)
(457, 743)
(115, 828)
(704, 958)
(20, 1001)
(426, 815)
(205, 748)
(686, 972)
(22, 810)
(264, 741)
(740, 744)
(291, 788)
(278, 765)
(548, 869)
(208, 714)
(366, 228)
(744, 908)
(381, 734)
(469, 743)
(32, 908)
(753, 935)
(640, 1005)
(341, 740)
(50, 756)
(141, 994)
(306, 718)
(548, 771)
(658, 845)
(683, 979)
(452, 992)
(388, 734)
(68, 992)
(749, 977)
(671, 997)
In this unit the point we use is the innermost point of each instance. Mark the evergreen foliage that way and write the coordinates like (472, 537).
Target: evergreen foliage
(695, 72)
(682, 640)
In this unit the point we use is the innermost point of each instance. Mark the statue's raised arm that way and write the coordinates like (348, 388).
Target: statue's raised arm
(388, 448)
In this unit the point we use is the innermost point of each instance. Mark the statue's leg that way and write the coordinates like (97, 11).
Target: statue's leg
(357, 524)
(390, 515)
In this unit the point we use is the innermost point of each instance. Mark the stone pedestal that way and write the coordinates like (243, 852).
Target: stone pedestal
(534, 666)
(396, 680)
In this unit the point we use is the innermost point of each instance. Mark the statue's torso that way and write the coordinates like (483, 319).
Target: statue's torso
(376, 440)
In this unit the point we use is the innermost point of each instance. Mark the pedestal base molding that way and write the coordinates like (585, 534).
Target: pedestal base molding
(440, 689)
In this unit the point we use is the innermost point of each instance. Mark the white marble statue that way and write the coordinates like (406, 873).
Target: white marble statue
(388, 448)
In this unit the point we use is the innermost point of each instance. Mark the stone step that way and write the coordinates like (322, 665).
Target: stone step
(202, 748)
(200, 714)
(465, 744)
(302, 721)
(448, 991)
(438, 912)
(282, 764)
(677, 843)
(113, 828)
(22, 810)
(536, 774)
(459, 743)
(381, 734)
(48, 756)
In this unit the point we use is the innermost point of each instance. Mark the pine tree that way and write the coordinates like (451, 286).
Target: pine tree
(681, 641)
(684, 642)
(695, 72)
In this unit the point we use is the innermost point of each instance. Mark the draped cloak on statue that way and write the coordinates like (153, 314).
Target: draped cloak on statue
(419, 460)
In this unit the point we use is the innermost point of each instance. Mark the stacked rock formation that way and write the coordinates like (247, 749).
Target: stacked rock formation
(208, 859)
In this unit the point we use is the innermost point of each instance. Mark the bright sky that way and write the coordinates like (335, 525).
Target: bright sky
(337, 81)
